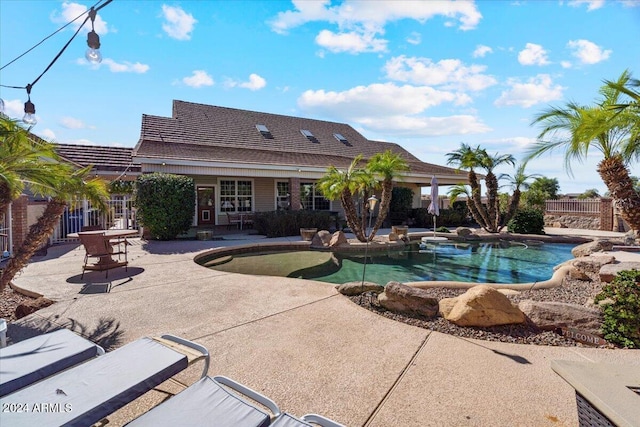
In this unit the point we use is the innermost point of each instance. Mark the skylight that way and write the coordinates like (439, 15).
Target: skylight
(342, 139)
(264, 131)
(309, 135)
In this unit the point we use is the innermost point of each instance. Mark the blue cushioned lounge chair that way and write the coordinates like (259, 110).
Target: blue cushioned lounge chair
(31, 360)
(87, 393)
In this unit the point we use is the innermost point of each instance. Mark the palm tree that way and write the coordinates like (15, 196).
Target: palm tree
(389, 165)
(466, 158)
(612, 132)
(24, 162)
(344, 185)
(70, 189)
(518, 181)
(489, 163)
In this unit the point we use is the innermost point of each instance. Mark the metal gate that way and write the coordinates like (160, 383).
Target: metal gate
(119, 214)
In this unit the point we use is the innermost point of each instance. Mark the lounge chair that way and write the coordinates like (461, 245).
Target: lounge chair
(98, 245)
(209, 402)
(87, 393)
(31, 360)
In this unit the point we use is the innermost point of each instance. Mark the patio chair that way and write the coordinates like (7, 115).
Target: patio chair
(97, 245)
(87, 393)
(233, 219)
(31, 360)
(209, 402)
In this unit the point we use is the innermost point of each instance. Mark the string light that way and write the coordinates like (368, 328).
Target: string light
(93, 55)
(29, 109)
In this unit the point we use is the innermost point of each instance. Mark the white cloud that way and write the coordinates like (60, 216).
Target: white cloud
(255, 82)
(588, 52)
(14, 108)
(73, 123)
(450, 73)
(536, 90)
(47, 135)
(178, 23)
(409, 126)
(533, 54)
(591, 4)
(414, 38)
(198, 79)
(71, 11)
(392, 109)
(566, 64)
(516, 142)
(122, 67)
(481, 51)
(359, 23)
(351, 42)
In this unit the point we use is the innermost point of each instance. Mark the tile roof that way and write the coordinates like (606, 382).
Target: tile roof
(102, 158)
(211, 133)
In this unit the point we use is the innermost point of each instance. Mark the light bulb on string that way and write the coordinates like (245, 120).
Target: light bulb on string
(93, 54)
(29, 113)
(29, 109)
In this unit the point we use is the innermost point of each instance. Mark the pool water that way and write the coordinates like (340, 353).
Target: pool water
(481, 262)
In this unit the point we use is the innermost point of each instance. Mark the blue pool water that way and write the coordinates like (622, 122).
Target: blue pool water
(483, 262)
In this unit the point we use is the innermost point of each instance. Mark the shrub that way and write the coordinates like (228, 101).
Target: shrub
(452, 217)
(289, 223)
(400, 205)
(443, 230)
(165, 204)
(622, 315)
(527, 221)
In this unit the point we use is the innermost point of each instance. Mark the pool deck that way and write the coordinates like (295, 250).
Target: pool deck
(303, 344)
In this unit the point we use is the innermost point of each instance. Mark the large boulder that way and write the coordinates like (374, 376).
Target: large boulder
(464, 232)
(357, 288)
(484, 306)
(609, 271)
(585, 249)
(338, 238)
(553, 315)
(407, 299)
(321, 239)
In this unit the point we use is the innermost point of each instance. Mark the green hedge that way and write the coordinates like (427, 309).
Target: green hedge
(289, 223)
(450, 217)
(165, 204)
(527, 221)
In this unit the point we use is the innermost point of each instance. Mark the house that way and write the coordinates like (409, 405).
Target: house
(248, 161)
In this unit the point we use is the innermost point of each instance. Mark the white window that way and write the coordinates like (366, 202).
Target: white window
(236, 195)
(283, 195)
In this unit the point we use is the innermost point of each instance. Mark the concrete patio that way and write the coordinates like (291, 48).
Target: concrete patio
(301, 343)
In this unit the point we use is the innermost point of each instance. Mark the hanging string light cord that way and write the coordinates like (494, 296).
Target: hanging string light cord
(29, 86)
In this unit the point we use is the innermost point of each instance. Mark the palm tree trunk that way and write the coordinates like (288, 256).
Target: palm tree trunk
(476, 198)
(385, 202)
(493, 202)
(513, 206)
(616, 177)
(37, 236)
(351, 214)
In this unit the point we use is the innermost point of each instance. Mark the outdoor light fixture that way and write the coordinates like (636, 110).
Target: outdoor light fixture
(93, 54)
(371, 205)
(29, 109)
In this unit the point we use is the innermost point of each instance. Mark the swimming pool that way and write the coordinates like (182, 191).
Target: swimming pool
(482, 262)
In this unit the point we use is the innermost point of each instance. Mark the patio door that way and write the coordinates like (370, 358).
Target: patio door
(206, 206)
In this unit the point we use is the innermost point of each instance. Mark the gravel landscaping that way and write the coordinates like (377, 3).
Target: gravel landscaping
(572, 291)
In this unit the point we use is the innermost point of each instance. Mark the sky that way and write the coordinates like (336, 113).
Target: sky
(428, 75)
